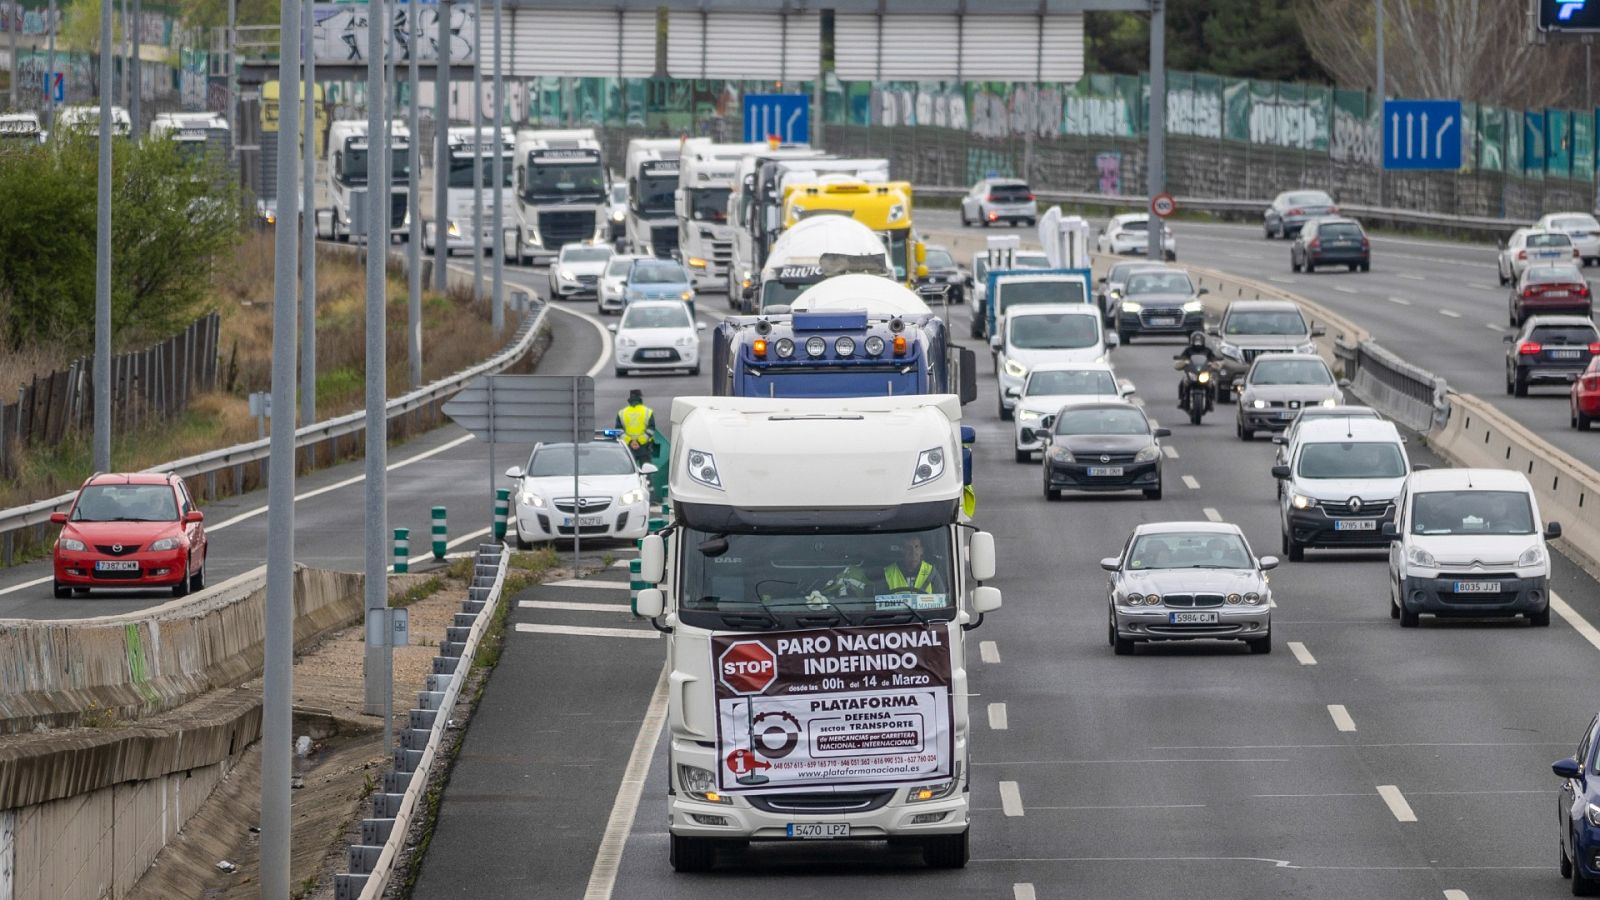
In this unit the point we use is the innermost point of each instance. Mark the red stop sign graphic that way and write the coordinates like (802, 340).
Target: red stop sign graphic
(747, 667)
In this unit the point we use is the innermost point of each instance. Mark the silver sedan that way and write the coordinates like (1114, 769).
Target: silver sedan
(1178, 581)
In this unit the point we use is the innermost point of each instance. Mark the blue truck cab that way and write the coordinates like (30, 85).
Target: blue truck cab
(1017, 287)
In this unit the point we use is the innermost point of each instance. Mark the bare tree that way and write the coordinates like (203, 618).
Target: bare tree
(1476, 50)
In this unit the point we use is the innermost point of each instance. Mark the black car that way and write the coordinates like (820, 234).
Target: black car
(1158, 301)
(1330, 241)
(943, 270)
(1549, 350)
(1107, 446)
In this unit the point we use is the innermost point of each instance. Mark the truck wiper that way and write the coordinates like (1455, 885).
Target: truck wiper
(763, 615)
(915, 613)
(809, 601)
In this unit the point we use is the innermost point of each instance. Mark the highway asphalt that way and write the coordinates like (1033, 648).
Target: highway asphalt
(1358, 760)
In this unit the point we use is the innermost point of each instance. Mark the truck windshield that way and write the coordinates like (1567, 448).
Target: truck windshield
(898, 244)
(355, 165)
(461, 171)
(1021, 293)
(773, 581)
(777, 296)
(565, 180)
(655, 193)
(709, 204)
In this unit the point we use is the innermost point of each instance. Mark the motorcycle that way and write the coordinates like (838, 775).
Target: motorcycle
(1199, 387)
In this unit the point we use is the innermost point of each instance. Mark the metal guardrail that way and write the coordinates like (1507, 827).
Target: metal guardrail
(230, 462)
(1486, 226)
(399, 800)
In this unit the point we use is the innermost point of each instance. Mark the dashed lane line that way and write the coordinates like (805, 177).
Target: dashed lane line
(1493, 326)
(1396, 802)
(1455, 895)
(989, 651)
(1345, 290)
(1212, 514)
(1449, 314)
(1399, 300)
(572, 606)
(1190, 482)
(1301, 654)
(1578, 622)
(1170, 451)
(1411, 277)
(583, 631)
(1341, 717)
(608, 858)
(997, 717)
(1023, 891)
(1010, 799)
(582, 583)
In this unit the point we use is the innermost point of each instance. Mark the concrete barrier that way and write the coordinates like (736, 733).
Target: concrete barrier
(72, 672)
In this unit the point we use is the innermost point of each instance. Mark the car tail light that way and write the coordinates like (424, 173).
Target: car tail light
(1591, 382)
(1333, 210)
(1365, 244)
(1522, 254)
(1297, 212)
(989, 198)
(1594, 347)
(993, 216)
(1316, 244)
(1527, 292)
(1583, 289)
(1030, 198)
(1529, 348)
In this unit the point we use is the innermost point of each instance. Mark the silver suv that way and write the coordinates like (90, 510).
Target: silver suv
(1250, 328)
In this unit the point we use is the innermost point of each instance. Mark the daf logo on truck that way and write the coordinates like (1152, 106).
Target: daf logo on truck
(748, 667)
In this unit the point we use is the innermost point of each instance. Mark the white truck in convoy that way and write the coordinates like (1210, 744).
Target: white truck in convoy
(652, 168)
(464, 147)
(347, 176)
(562, 193)
(743, 267)
(705, 182)
(795, 263)
(816, 585)
(198, 135)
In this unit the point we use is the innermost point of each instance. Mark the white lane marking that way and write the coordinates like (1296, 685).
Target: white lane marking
(1153, 422)
(1280, 279)
(1301, 654)
(608, 858)
(1494, 327)
(1410, 277)
(1396, 802)
(581, 583)
(1345, 290)
(1190, 483)
(1212, 514)
(1010, 799)
(1170, 451)
(1578, 622)
(1449, 313)
(1400, 300)
(997, 717)
(451, 545)
(1341, 717)
(605, 336)
(250, 514)
(572, 606)
(989, 651)
(588, 632)
(1456, 895)
(1023, 891)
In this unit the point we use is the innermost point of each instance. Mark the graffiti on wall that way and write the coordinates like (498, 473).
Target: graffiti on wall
(1194, 112)
(1354, 138)
(15, 18)
(1109, 167)
(340, 33)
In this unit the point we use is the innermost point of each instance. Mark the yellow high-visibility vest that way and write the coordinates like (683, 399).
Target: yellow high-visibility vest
(636, 422)
(896, 579)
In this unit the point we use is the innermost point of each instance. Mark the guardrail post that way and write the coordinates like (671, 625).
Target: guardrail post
(441, 533)
(635, 585)
(402, 551)
(502, 506)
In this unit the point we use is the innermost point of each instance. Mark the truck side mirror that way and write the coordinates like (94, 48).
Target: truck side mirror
(980, 553)
(985, 600)
(651, 603)
(652, 562)
(969, 374)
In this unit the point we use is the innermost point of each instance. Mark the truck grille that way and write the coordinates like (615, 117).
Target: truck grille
(664, 240)
(821, 804)
(562, 227)
(397, 210)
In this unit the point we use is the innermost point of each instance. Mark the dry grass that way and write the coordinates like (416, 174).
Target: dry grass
(19, 367)
(455, 335)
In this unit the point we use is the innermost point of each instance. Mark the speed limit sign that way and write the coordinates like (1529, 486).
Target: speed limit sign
(1163, 205)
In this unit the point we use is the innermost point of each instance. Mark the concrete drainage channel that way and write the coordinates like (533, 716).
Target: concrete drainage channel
(397, 806)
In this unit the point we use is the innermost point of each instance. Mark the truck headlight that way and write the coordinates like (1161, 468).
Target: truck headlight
(696, 262)
(1532, 556)
(1417, 556)
(170, 543)
(936, 791)
(703, 468)
(1148, 454)
(72, 544)
(700, 784)
(1016, 369)
(616, 215)
(930, 465)
(1301, 501)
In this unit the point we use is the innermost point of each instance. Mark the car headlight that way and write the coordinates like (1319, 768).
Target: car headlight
(627, 342)
(1148, 454)
(1308, 347)
(1230, 351)
(1132, 306)
(617, 215)
(170, 543)
(930, 465)
(1193, 306)
(1132, 600)
(1061, 455)
(72, 544)
(1253, 599)
(700, 784)
(1592, 813)
(1417, 556)
(1233, 599)
(1028, 415)
(453, 230)
(1301, 501)
(936, 791)
(686, 295)
(1331, 401)
(1532, 556)
(1016, 369)
(685, 341)
(1258, 404)
(533, 500)
(703, 468)
(634, 496)
(566, 275)
(1152, 599)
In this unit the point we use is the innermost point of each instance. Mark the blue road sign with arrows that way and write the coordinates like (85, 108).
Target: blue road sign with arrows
(784, 116)
(1422, 134)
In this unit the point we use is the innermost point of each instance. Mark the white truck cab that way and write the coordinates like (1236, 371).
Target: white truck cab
(816, 586)
(347, 175)
(745, 215)
(464, 146)
(198, 135)
(562, 193)
(705, 182)
(20, 128)
(795, 263)
(652, 168)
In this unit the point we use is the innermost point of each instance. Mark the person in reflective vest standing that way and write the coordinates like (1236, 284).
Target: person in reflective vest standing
(638, 424)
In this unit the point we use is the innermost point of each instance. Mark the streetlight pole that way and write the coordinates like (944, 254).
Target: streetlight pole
(441, 150)
(1157, 168)
(308, 225)
(376, 592)
(1379, 94)
(414, 205)
(138, 87)
(50, 72)
(498, 315)
(477, 156)
(102, 274)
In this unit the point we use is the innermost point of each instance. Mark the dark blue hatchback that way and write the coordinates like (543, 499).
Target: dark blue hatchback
(1578, 812)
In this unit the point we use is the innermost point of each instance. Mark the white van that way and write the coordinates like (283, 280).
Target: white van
(1045, 333)
(1340, 484)
(1469, 544)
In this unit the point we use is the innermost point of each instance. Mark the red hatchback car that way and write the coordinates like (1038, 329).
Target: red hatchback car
(1585, 396)
(1550, 290)
(131, 531)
